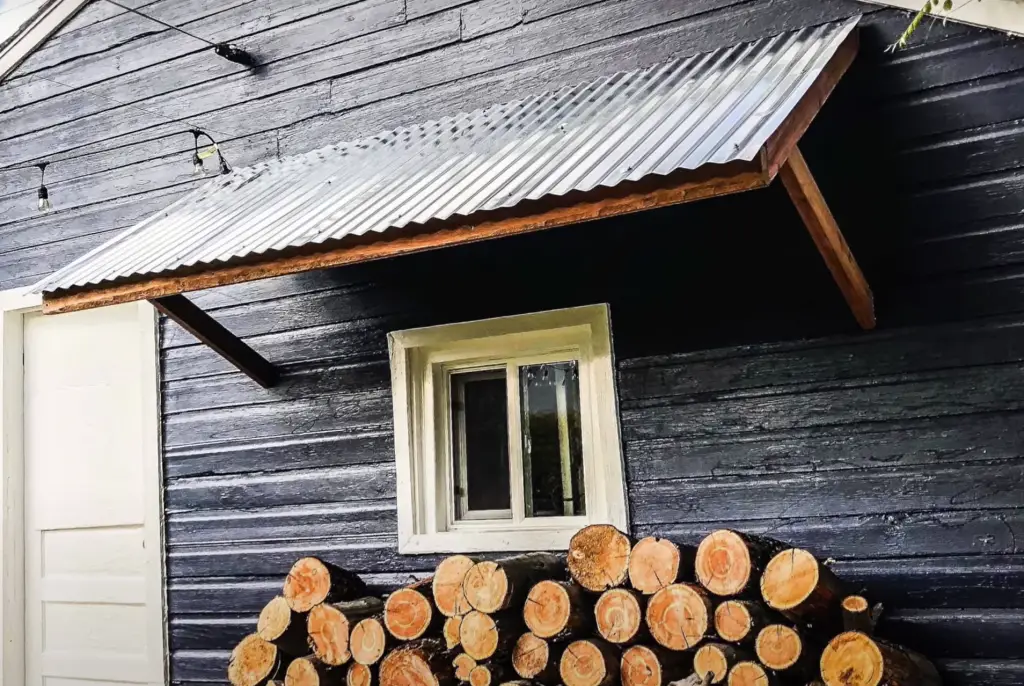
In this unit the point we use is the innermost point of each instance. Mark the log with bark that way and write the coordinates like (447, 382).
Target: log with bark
(750, 674)
(423, 662)
(619, 616)
(855, 659)
(409, 612)
(796, 584)
(449, 598)
(254, 662)
(368, 640)
(558, 610)
(598, 557)
(590, 662)
(485, 637)
(737, 621)
(359, 675)
(312, 581)
(858, 614)
(784, 650)
(678, 616)
(717, 659)
(463, 665)
(493, 586)
(308, 671)
(536, 659)
(283, 627)
(729, 563)
(330, 625)
(450, 632)
(488, 674)
(655, 563)
(643, 665)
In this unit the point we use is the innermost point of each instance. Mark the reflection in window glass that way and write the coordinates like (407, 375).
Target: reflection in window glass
(480, 431)
(552, 440)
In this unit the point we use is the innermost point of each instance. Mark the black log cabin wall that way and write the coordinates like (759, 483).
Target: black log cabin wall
(748, 398)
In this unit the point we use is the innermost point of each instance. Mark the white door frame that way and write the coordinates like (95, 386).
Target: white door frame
(14, 305)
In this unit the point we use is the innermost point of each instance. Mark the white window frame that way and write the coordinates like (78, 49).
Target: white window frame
(422, 359)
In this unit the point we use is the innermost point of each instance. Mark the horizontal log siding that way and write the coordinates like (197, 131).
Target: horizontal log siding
(747, 398)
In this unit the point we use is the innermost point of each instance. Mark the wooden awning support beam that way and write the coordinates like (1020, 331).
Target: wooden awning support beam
(818, 219)
(212, 333)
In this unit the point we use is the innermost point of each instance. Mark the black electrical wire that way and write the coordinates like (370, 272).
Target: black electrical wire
(162, 23)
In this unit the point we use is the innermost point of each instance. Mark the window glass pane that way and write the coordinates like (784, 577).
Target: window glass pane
(552, 440)
(480, 445)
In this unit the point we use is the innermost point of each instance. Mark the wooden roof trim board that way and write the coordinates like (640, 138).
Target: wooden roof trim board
(47, 21)
(779, 155)
(1002, 15)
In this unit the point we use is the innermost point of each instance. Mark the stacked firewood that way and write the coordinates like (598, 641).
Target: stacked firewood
(737, 610)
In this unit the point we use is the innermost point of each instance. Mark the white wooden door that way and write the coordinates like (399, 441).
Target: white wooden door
(93, 571)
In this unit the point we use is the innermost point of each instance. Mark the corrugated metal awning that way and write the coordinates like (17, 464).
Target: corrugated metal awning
(635, 130)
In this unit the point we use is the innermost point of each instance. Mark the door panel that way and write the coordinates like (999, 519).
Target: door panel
(90, 612)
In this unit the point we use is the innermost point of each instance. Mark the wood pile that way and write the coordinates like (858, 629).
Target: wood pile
(737, 610)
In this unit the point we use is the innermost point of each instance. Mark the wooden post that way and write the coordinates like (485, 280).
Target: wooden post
(804, 192)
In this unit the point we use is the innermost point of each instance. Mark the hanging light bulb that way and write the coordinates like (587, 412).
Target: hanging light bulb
(44, 195)
(197, 156)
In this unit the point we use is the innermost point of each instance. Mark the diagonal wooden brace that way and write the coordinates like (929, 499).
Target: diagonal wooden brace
(818, 219)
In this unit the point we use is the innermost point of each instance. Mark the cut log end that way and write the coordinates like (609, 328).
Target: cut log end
(367, 641)
(530, 656)
(748, 674)
(307, 584)
(733, 621)
(359, 675)
(406, 668)
(464, 666)
(640, 667)
(478, 635)
(305, 672)
(711, 659)
(619, 616)
(451, 632)
(653, 564)
(547, 609)
(678, 616)
(407, 614)
(480, 676)
(855, 603)
(588, 663)
(789, 579)
(486, 586)
(275, 618)
(778, 647)
(857, 615)
(253, 661)
(598, 557)
(723, 564)
(855, 659)
(329, 635)
(447, 585)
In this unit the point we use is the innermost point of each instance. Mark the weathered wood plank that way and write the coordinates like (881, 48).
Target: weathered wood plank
(282, 524)
(982, 672)
(352, 412)
(331, 485)
(924, 442)
(490, 16)
(960, 633)
(309, 451)
(209, 633)
(976, 485)
(175, 63)
(902, 397)
(296, 382)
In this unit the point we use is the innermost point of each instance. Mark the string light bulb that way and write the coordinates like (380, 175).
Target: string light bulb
(44, 195)
(197, 156)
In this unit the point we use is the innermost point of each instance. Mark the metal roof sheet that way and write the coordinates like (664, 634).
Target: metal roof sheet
(711, 108)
